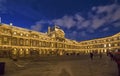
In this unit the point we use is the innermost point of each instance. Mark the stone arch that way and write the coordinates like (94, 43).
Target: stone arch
(21, 52)
(14, 53)
(27, 52)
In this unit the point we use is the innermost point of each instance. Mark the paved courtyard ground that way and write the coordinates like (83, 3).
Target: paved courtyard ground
(61, 66)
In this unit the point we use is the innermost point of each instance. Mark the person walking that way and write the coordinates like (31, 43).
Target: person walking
(111, 56)
(91, 55)
(117, 60)
(100, 54)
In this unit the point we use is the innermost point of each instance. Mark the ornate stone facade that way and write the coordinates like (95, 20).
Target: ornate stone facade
(20, 42)
(107, 44)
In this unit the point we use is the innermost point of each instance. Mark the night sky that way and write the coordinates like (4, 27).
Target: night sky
(80, 19)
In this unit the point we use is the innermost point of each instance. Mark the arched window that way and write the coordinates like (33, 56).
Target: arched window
(27, 42)
(14, 41)
(21, 41)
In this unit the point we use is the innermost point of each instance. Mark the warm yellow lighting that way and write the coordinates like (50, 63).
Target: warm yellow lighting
(105, 45)
(27, 51)
(21, 51)
(5, 31)
(15, 51)
(26, 34)
(21, 34)
(53, 42)
(105, 50)
(116, 44)
(14, 33)
(40, 52)
(109, 45)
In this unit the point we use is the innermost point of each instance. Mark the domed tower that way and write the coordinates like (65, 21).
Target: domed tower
(59, 32)
(56, 32)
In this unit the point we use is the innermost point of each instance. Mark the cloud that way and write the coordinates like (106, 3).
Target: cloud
(76, 35)
(83, 34)
(111, 11)
(2, 6)
(38, 26)
(117, 24)
(96, 23)
(105, 29)
(97, 17)
(73, 34)
(103, 15)
(65, 21)
(85, 24)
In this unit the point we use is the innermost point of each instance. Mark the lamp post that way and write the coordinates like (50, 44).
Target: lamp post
(10, 53)
(30, 44)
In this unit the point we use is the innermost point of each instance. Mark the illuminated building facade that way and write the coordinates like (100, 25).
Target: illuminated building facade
(107, 44)
(19, 42)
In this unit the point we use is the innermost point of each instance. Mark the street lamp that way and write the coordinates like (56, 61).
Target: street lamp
(10, 53)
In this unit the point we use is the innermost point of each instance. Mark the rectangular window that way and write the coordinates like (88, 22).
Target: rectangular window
(5, 40)
(27, 42)
(21, 41)
(14, 41)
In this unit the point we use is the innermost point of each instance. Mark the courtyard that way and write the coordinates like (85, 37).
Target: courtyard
(80, 65)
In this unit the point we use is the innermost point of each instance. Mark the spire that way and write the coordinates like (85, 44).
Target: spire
(49, 30)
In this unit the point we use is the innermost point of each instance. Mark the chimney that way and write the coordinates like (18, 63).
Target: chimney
(49, 30)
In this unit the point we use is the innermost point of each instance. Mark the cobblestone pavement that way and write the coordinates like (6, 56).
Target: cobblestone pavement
(61, 66)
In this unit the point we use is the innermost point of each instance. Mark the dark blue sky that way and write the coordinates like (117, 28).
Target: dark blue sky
(80, 19)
